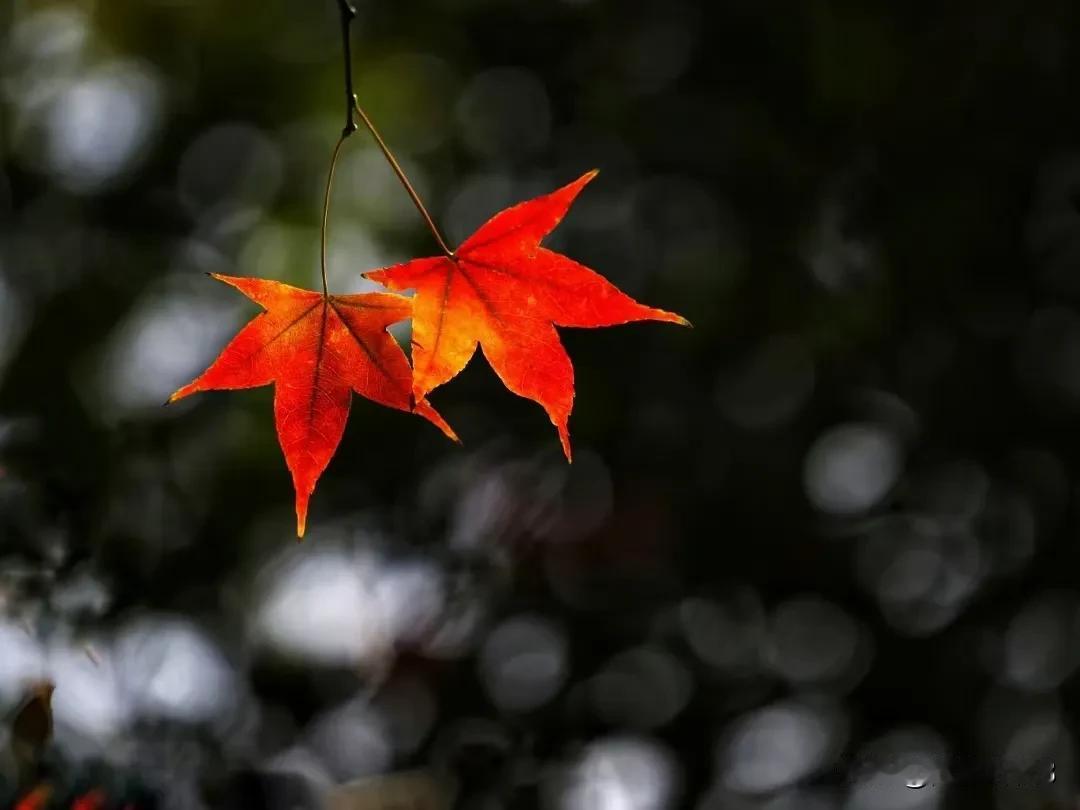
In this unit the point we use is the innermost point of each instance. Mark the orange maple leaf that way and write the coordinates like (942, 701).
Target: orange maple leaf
(502, 290)
(317, 350)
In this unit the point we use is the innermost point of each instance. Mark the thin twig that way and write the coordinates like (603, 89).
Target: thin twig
(347, 15)
(404, 180)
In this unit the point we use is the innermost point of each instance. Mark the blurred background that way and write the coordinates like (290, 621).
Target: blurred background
(818, 553)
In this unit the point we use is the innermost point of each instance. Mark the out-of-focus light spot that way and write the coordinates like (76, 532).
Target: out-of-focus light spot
(367, 188)
(303, 763)
(1039, 748)
(411, 96)
(610, 201)
(407, 709)
(410, 596)
(1041, 643)
(230, 164)
(728, 635)
(580, 497)
(839, 262)
(885, 408)
(504, 113)
(172, 334)
(171, 670)
(83, 594)
(904, 770)
(484, 511)
(42, 52)
(459, 628)
(921, 575)
(641, 688)
(475, 201)
(22, 661)
(48, 34)
(617, 773)
(88, 697)
(658, 51)
(351, 741)
(541, 497)
(331, 589)
(814, 641)
(952, 493)
(100, 126)
(361, 603)
(900, 558)
(720, 798)
(352, 250)
(777, 746)
(698, 243)
(280, 251)
(852, 468)
(523, 663)
(771, 386)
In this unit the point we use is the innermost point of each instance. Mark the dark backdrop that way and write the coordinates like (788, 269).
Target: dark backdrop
(818, 552)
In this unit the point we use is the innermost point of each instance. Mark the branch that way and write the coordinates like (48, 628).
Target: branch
(348, 13)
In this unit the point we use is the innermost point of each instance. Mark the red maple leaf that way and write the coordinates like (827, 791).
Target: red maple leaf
(503, 291)
(317, 349)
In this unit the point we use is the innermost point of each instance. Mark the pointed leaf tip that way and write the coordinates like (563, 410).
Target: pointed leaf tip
(178, 394)
(585, 179)
(564, 440)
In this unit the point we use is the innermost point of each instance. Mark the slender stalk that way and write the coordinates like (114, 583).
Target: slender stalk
(404, 180)
(348, 13)
(326, 205)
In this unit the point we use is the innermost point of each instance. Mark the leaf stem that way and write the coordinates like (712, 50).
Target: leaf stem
(348, 13)
(326, 206)
(404, 180)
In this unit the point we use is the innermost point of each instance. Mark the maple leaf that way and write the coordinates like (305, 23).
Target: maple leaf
(317, 350)
(503, 291)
